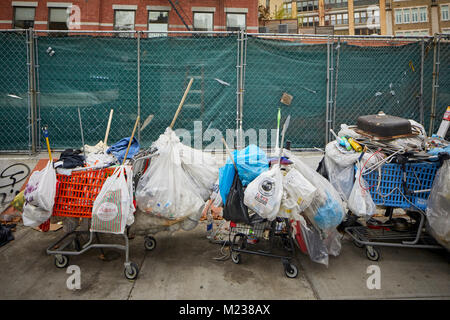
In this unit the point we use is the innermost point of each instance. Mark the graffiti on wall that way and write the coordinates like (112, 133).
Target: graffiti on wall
(11, 181)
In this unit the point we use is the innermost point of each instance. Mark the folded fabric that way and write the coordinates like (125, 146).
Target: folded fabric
(119, 148)
(70, 159)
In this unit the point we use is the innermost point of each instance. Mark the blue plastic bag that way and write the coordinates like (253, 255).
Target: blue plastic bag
(329, 215)
(119, 148)
(251, 162)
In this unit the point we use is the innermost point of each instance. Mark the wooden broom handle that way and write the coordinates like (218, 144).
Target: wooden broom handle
(131, 140)
(181, 103)
(108, 127)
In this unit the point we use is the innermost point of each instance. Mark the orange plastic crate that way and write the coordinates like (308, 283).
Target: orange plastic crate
(75, 194)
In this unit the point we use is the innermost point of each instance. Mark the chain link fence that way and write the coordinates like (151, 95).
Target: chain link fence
(14, 91)
(239, 79)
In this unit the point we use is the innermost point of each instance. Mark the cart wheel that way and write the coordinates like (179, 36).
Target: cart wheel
(62, 261)
(149, 243)
(291, 271)
(132, 271)
(236, 257)
(372, 253)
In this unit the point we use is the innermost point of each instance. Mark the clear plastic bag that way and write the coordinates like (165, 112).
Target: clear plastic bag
(360, 201)
(438, 214)
(165, 190)
(326, 209)
(317, 250)
(201, 167)
(298, 193)
(263, 195)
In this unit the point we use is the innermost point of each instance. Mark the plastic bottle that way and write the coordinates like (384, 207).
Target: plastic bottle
(209, 225)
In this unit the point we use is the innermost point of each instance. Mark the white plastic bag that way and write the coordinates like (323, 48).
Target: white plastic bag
(165, 190)
(360, 201)
(298, 194)
(113, 204)
(201, 167)
(438, 210)
(263, 195)
(40, 196)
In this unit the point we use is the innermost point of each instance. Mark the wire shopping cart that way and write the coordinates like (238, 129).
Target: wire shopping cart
(75, 198)
(266, 238)
(407, 185)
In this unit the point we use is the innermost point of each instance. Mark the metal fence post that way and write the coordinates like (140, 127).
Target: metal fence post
(31, 90)
(38, 93)
(435, 84)
(338, 48)
(139, 83)
(422, 58)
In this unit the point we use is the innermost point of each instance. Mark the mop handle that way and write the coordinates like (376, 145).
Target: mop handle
(45, 129)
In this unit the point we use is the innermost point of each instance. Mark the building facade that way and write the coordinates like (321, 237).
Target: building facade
(366, 17)
(418, 17)
(140, 15)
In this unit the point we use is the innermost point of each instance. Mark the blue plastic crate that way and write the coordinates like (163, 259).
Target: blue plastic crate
(419, 176)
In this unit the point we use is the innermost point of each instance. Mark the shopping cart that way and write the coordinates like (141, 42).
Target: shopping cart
(407, 185)
(266, 238)
(75, 198)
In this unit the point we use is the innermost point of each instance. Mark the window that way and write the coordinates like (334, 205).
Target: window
(316, 20)
(398, 16)
(339, 19)
(406, 15)
(236, 21)
(357, 17)
(203, 21)
(287, 9)
(58, 19)
(158, 21)
(345, 18)
(423, 14)
(124, 20)
(363, 16)
(444, 12)
(333, 19)
(414, 15)
(23, 17)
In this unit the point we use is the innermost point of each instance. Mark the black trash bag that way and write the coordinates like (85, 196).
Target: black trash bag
(235, 210)
(6, 234)
(322, 169)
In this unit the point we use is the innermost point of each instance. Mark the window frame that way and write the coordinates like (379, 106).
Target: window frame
(235, 28)
(49, 21)
(14, 16)
(442, 12)
(148, 24)
(129, 34)
(202, 12)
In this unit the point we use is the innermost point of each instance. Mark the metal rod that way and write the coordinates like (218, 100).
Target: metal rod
(237, 88)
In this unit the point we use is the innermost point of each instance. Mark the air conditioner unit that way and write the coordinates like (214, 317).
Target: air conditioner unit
(282, 28)
(263, 30)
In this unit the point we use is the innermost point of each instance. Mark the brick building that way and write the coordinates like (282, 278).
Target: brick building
(153, 15)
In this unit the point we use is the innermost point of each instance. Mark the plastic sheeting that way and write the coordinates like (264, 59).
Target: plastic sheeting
(438, 213)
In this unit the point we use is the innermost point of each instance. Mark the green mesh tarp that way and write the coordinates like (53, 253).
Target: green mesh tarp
(13, 92)
(97, 74)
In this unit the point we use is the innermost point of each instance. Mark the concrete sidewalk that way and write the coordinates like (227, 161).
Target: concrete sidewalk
(182, 266)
